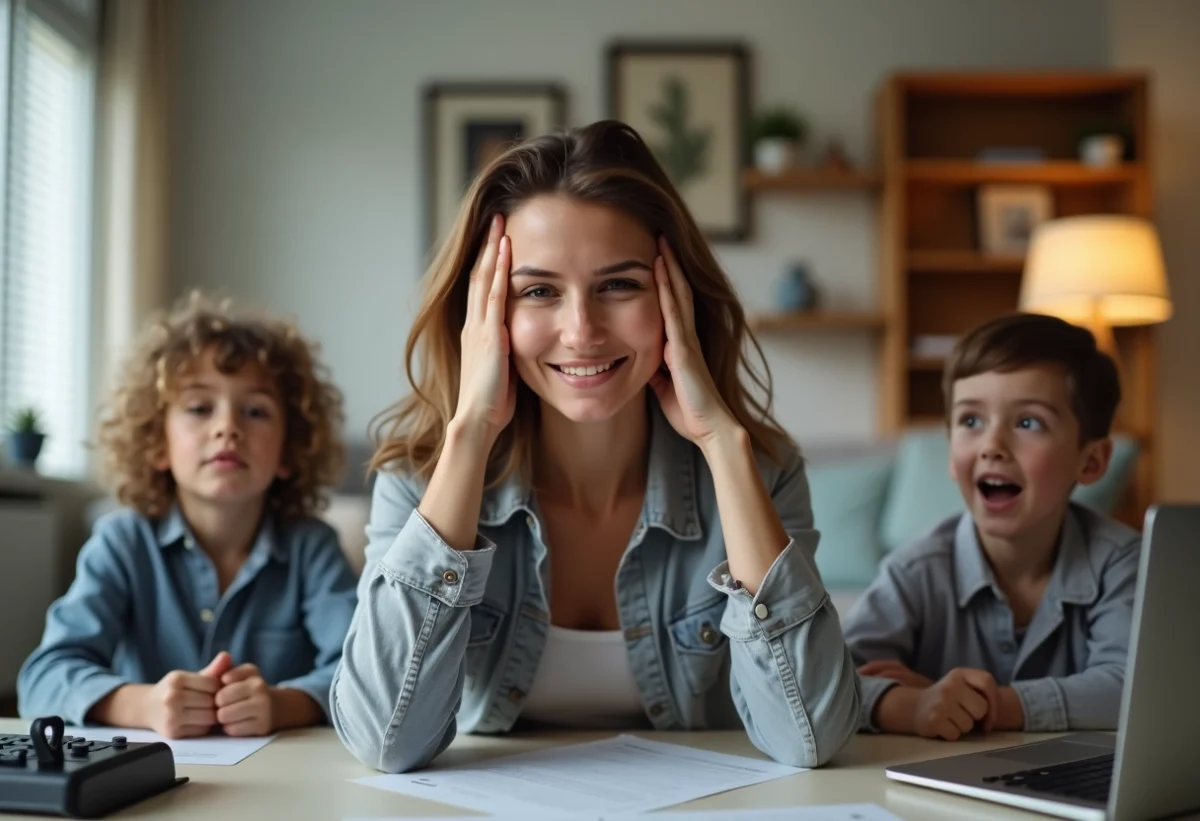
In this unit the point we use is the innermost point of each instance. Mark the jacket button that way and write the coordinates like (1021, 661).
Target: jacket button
(450, 577)
(529, 522)
(656, 710)
(515, 695)
(708, 635)
(761, 610)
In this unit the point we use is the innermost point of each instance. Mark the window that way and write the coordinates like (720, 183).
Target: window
(46, 261)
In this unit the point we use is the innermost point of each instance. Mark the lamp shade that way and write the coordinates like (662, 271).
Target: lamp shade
(1097, 268)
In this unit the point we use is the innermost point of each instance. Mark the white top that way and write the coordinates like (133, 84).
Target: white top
(584, 680)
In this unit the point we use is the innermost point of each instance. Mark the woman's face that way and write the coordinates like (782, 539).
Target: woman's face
(583, 312)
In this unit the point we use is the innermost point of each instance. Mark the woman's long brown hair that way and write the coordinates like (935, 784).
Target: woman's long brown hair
(605, 163)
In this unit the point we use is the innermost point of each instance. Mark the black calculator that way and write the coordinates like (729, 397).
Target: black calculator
(50, 773)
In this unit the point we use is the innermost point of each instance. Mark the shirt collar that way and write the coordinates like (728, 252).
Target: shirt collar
(173, 529)
(671, 498)
(1073, 580)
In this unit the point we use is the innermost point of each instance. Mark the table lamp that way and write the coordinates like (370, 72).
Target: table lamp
(1098, 271)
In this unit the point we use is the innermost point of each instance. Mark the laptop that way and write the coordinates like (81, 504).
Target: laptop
(1148, 769)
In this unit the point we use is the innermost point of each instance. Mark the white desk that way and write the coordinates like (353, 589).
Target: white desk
(305, 775)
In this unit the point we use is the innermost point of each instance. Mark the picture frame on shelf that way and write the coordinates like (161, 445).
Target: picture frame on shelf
(690, 102)
(1009, 214)
(468, 124)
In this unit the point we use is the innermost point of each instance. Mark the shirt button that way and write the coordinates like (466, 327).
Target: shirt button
(708, 635)
(188, 543)
(761, 610)
(206, 615)
(515, 695)
(450, 577)
(656, 710)
(529, 522)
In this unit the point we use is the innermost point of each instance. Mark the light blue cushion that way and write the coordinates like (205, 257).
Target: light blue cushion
(847, 500)
(921, 493)
(1105, 495)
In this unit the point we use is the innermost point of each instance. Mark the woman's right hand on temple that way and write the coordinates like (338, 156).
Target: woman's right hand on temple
(487, 391)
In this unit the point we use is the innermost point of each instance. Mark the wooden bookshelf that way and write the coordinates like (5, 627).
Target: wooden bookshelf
(963, 262)
(926, 363)
(802, 179)
(1051, 172)
(816, 321)
(934, 279)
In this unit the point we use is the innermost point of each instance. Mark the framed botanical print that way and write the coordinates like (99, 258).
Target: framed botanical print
(467, 125)
(690, 102)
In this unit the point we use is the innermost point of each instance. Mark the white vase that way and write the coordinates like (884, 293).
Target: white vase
(773, 155)
(1102, 150)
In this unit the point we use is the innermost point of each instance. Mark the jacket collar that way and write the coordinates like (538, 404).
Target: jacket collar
(1073, 580)
(671, 500)
(173, 529)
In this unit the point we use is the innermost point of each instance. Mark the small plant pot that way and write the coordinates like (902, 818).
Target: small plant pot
(774, 155)
(24, 448)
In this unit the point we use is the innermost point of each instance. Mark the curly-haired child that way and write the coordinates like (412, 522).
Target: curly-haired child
(212, 599)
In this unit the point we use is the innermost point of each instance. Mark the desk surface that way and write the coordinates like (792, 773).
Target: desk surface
(304, 774)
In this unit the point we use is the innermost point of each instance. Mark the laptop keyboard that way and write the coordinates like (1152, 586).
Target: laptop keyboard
(1088, 778)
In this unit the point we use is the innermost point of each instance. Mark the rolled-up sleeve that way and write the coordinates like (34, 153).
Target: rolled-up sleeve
(71, 669)
(882, 626)
(1091, 698)
(328, 607)
(792, 678)
(399, 683)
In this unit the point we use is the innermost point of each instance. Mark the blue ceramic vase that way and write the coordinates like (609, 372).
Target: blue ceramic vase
(795, 291)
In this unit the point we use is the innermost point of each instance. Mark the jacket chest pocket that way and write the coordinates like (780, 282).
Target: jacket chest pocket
(701, 649)
(282, 653)
(486, 621)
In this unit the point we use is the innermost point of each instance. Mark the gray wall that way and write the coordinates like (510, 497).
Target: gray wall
(1164, 43)
(298, 135)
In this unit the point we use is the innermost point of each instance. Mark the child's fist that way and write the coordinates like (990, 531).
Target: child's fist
(181, 705)
(244, 702)
(956, 703)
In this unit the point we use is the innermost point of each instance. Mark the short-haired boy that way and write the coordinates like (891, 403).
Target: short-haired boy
(1015, 614)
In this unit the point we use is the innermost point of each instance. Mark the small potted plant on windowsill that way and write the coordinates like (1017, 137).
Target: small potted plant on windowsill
(25, 437)
(778, 134)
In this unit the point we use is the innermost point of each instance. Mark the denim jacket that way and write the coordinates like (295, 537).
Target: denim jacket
(145, 601)
(445, 639)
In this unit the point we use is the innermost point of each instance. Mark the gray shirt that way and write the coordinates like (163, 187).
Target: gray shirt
(935, 606)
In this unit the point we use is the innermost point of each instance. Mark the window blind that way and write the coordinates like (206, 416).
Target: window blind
(47, 237)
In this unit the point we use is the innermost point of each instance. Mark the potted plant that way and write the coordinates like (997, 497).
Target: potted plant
(25, 436)
(777, 134)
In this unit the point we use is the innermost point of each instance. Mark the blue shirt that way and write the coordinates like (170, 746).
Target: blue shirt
(935, 606)
(145, 601)
(445, 639)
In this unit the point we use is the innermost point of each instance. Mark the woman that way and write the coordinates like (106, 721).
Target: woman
(551, 540)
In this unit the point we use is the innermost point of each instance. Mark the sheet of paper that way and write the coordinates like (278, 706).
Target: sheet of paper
(215, 750)
(826, 812)
(616, 776)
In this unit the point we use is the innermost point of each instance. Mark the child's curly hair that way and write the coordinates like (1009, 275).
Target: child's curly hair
(132, 433)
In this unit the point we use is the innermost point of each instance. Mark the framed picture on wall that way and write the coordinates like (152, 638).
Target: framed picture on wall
(690, 102)
(466, 126)
(1008, 215)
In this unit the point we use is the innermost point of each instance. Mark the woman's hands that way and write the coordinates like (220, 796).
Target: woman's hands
(487, 392)
(686, 390)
